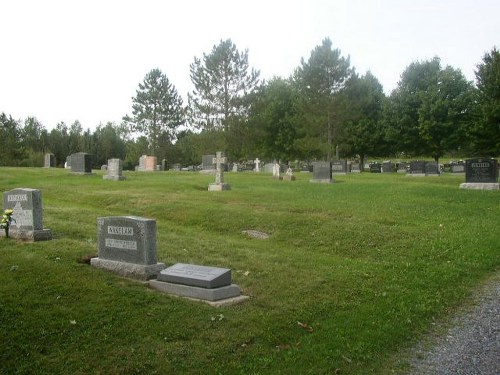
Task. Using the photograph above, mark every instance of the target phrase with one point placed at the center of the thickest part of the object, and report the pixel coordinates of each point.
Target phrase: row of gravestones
(127, 246)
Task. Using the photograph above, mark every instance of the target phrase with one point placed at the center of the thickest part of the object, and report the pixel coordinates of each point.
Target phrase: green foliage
(487, 130)
(157, 110)
(368, 265)
(11, 150)
(221, 79)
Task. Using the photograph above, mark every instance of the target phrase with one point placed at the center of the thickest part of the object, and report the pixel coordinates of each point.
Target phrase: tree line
(325, 108)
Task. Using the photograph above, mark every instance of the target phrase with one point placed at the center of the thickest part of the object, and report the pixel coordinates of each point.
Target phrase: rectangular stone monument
(481, 174)
(457, 168)
(387, 166)
(417, 168)
(339, 167)
(115, 170)
(207, 163)
(322, 172)
(27, 214)
(402, 167)
(81, 162)
(67, 164)
(49, 161)
(432, 168)
(375, 167)
(355, 168)
(127, 246)
(219, 184)
(210, 284)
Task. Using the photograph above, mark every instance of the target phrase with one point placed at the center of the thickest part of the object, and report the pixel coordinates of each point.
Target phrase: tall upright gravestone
(26, 205)
(127, 246)
(481, 174)
(219, 184)
(81, 162)
(49, 161)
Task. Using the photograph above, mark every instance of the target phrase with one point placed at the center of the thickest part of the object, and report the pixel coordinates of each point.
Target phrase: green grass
(369, 263)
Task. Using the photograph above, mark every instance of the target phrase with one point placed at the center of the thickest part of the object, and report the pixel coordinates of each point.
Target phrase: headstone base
(288, 178)
(31, 235)
(416, 174)
(205, 294)
(113, 178)
(132, 270)
(480, 185)
(219, 187)
(322, 181)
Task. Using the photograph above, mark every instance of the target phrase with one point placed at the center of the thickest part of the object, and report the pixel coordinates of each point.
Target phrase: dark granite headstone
(387, 167)
(417, 167)
(339, 167)
(431, 168)
(81, 162)
(375, 168)
(27, 214)
(322, 172)
(402, 167)
(481, 170)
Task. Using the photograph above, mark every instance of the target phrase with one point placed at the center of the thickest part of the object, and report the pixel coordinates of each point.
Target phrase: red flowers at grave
(6, 220)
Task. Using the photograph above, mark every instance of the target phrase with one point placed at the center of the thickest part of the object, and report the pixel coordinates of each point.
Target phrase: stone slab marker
(28, 215)
(210, 284)
(81, 162)
(481, 174)
(322, 172)
(127, 246)
(49, 161)
(115, 170)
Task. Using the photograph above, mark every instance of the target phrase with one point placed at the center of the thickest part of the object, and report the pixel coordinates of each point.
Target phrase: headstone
(355, 167)
(164, 164)
(147, 164)
(276, 171)
(269, 167)
(104, 167)
(49, 161)
(417, 168)
(235, 167)
(115, 170)
(207, 163)
(210, 284)
(322, 172)
(339, 167)
(432, 168)
(127, 246)
(457, 168)
(81, 162)
(67, 164)
(288, 176)
(402, 167)
(257, 165)
(387, 166)
(481, 174)
(219, 184)
(27, 214)
(375, 167)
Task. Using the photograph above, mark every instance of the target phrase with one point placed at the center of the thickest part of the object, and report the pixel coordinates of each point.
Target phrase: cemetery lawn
(352, 275)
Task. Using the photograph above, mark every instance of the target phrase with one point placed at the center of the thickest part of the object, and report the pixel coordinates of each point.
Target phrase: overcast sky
(65, 60)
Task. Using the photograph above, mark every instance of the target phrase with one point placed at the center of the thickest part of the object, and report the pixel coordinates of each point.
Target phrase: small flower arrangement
(6, 220)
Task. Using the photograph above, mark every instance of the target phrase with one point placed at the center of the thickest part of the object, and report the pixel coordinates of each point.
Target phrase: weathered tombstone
(115, 170)
(355, 168)
(147, 164)
(268, 167)
(402, 167)
(67, 164)
(127, 246)
(417, 168)
(235, 167)
(339, 167)
(288, 176)
(432, 168)
(207, 164)
(276, 171)
(104, 167)
(257, 165)
(219, 184)
(210, 284)
(322, 172)
(387, 166)
(81, 163)
(457, 168)
(164, 164)
(481, 174)
(27, 215)
(375, 167)
(49, 161)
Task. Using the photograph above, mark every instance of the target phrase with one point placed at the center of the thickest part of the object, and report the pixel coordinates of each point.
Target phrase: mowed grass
(366, 265)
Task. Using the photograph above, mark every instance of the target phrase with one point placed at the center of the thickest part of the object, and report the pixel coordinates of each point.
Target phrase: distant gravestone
(164, 164)
(104, 167)
(268, 167)
(115, 170)
(81, 162)
(67, 164)
(387, 167)
(289, 176)
(355, 168)
(432, 168)
(257, 165)
(339, 167)
(457, 168)
(219, 184)
(481, 174)
(127, 246)
(402, 167)
(211, 284)
(147, 164)
(375, 167)
(322, 172)
(49, 161)
(417, 168)
(277, 171)
(207, 163)
(26, 205)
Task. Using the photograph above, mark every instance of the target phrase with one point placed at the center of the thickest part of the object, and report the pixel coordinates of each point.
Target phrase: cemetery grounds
(352, 276)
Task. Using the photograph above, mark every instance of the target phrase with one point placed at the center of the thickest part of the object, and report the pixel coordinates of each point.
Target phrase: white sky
(67, 60)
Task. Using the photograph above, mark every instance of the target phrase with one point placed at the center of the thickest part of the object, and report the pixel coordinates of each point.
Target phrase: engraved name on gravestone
(127, 245)
(81, 162)
(481, 170)
(26, 205)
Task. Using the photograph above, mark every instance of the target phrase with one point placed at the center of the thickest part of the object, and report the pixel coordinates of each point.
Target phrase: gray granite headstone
(387, 166)
(375, 167)
(432, 168)
(339, 167)
(355, 168)
(49, 161)
(417, 168)
(322, 172)
(127, 246)
(67, 165)
(481, 174)
(81, 162)
(115, 170)
(219, 184)
(27, 214)
(457, 168)
(207, 162)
